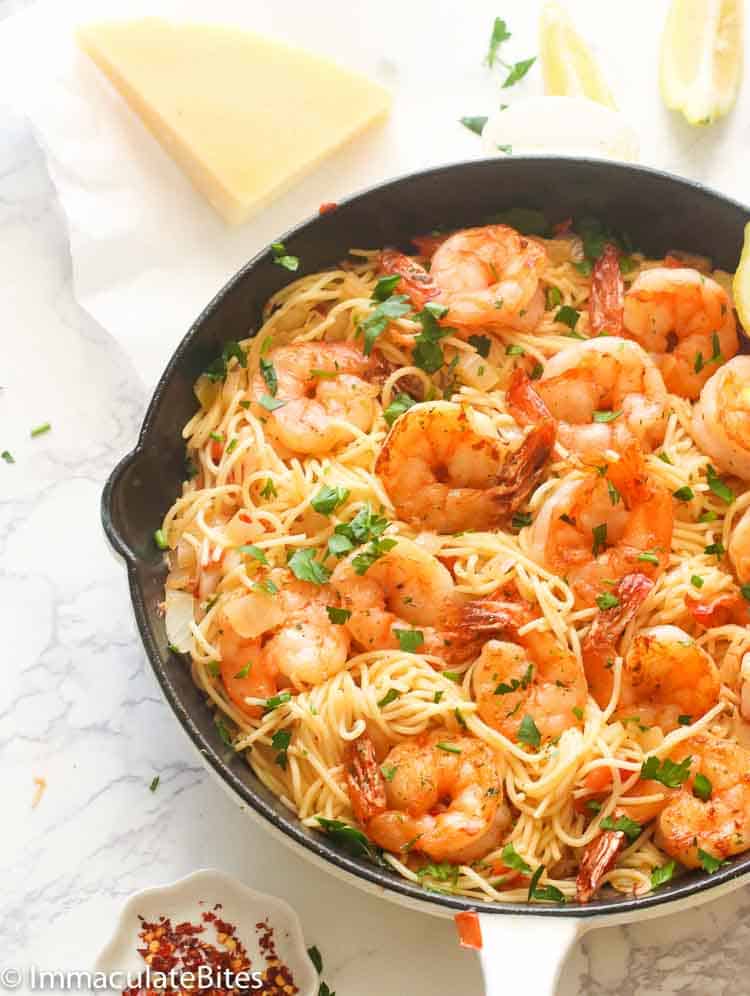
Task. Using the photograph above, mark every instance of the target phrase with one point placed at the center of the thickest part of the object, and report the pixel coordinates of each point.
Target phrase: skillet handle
(526, 953)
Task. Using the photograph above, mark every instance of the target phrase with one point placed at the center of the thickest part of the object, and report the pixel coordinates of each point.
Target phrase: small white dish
(189, 897)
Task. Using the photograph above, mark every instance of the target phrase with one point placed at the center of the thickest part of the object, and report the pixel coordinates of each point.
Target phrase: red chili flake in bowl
(222, 968)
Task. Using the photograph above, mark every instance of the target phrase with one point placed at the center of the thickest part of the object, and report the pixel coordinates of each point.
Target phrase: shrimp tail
(599, 646)
(598, 858)
(607, 300)
(415, 281)
(727, 607)
(491, 618)
(365, 780)
(525, 404)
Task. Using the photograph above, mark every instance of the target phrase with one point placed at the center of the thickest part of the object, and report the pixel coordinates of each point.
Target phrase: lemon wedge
(701, 58)
(741, 283)
(569, 68)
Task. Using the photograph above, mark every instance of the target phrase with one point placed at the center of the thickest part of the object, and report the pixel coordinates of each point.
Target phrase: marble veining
(80, 707)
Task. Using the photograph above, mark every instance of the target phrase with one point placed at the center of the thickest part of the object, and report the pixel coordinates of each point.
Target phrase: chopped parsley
(154, 783)
(385, 287)
(482, 344)
(409, 639)
(702, 787)
(697, 581)
(448, 748)
(304, 566)
(528, 732)
(684, 720)
(389, 771)
(719, 488)
(648, 557)
(547, 893)
(390, 696)
(277, 700)
(395, 306)
(328, 499)
(667, 772)
(513, 860)
(337, 616)
(428, 354)
(7, 456)
(499, 34)
(268, 372)
(624, 824)
(400, 404)
(363, 527)
(314, 955)
(217, 370)
(599, 536)
(280, 742)
(40, 430)
(271, 404)
(518, 70)
(607, 601)
(717, 549)
(515, 683)
(223, 730)
(374, 551)
(352, 840)
(568, 316)
(745, 591)
(160, 539)
(253, 551)
(536, 371)
(708, 862)
(244, 671)
(269, 489)
(474, 123)
(605, 416)
(684, 494)
(520, 520)
(553, 298)
(282, 258)
(662, 874)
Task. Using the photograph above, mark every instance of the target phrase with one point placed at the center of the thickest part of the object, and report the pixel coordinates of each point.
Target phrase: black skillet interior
(658, 211)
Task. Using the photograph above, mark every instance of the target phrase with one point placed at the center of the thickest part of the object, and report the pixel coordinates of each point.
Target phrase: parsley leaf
(253, 551)
(544, 892)
(599, 536)
(518, 70)
(396, 306)
(528, 732)
(513, 860)
(327, 499)
(427, 353)
(499, 34)
(337, 616)
(515, 683)
(709, 862)
(281, 257)
(662, 874)
(568, 316)
(630, 828)
(475, 124)
(400, 404)
(268, 371)
(607, 601)
(718, 486)
(350, 838)
(280, 742)
(482, 345)
(374, 551)
(605, 416)
(8, 457)
(314, 956)
(217, 370)
(271, 404)
(154, 783)
(385, 287)
(668, 772)
(277, 700)
(553, 298)
(702, 787)
(304, 566)
(409, 639)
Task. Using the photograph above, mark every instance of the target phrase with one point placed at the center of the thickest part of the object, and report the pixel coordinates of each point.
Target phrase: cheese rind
(244, 116)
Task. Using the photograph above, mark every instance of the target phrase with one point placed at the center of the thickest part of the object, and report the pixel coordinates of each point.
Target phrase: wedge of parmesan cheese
(244, 116)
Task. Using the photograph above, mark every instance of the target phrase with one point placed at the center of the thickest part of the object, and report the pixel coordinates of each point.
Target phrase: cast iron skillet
(659, 211)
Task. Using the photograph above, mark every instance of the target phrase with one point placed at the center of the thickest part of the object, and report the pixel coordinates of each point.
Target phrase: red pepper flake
(469, 930)
(217, 969)
(327, 207)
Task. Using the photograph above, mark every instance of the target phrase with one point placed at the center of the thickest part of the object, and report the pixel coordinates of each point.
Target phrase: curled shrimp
(445, 467)
(320, 393)
(685, 320)
(533, 676)
(665, 674)
(442, 798)
(605, 392)
(487, 277)
(690, 824)
(721, 418)
(612, 522)
(287, 639)
(739, 548)
(405, 588)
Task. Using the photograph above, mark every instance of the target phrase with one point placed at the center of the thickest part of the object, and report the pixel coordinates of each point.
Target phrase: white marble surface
(79, 706)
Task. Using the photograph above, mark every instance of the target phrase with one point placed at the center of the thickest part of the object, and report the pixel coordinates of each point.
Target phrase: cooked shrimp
(446, 468)
(685, 320)
(605, 392)
(321, 393)
(405, 588)
(534, 675)
(244, 672)
(442, 797)
(721, 418)
(714, 822)
(612, 522)
(727, 606)
(487, 277)
(739, 548)
(298, 644)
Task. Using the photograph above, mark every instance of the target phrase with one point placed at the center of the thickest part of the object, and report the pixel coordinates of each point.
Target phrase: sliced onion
(238, 531)
(253, 614)
(179, 613)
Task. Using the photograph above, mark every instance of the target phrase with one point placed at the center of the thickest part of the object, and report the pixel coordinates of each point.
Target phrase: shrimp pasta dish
(462, 559)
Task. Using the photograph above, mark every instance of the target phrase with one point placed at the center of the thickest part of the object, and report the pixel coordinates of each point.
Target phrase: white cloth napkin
(148, 253)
